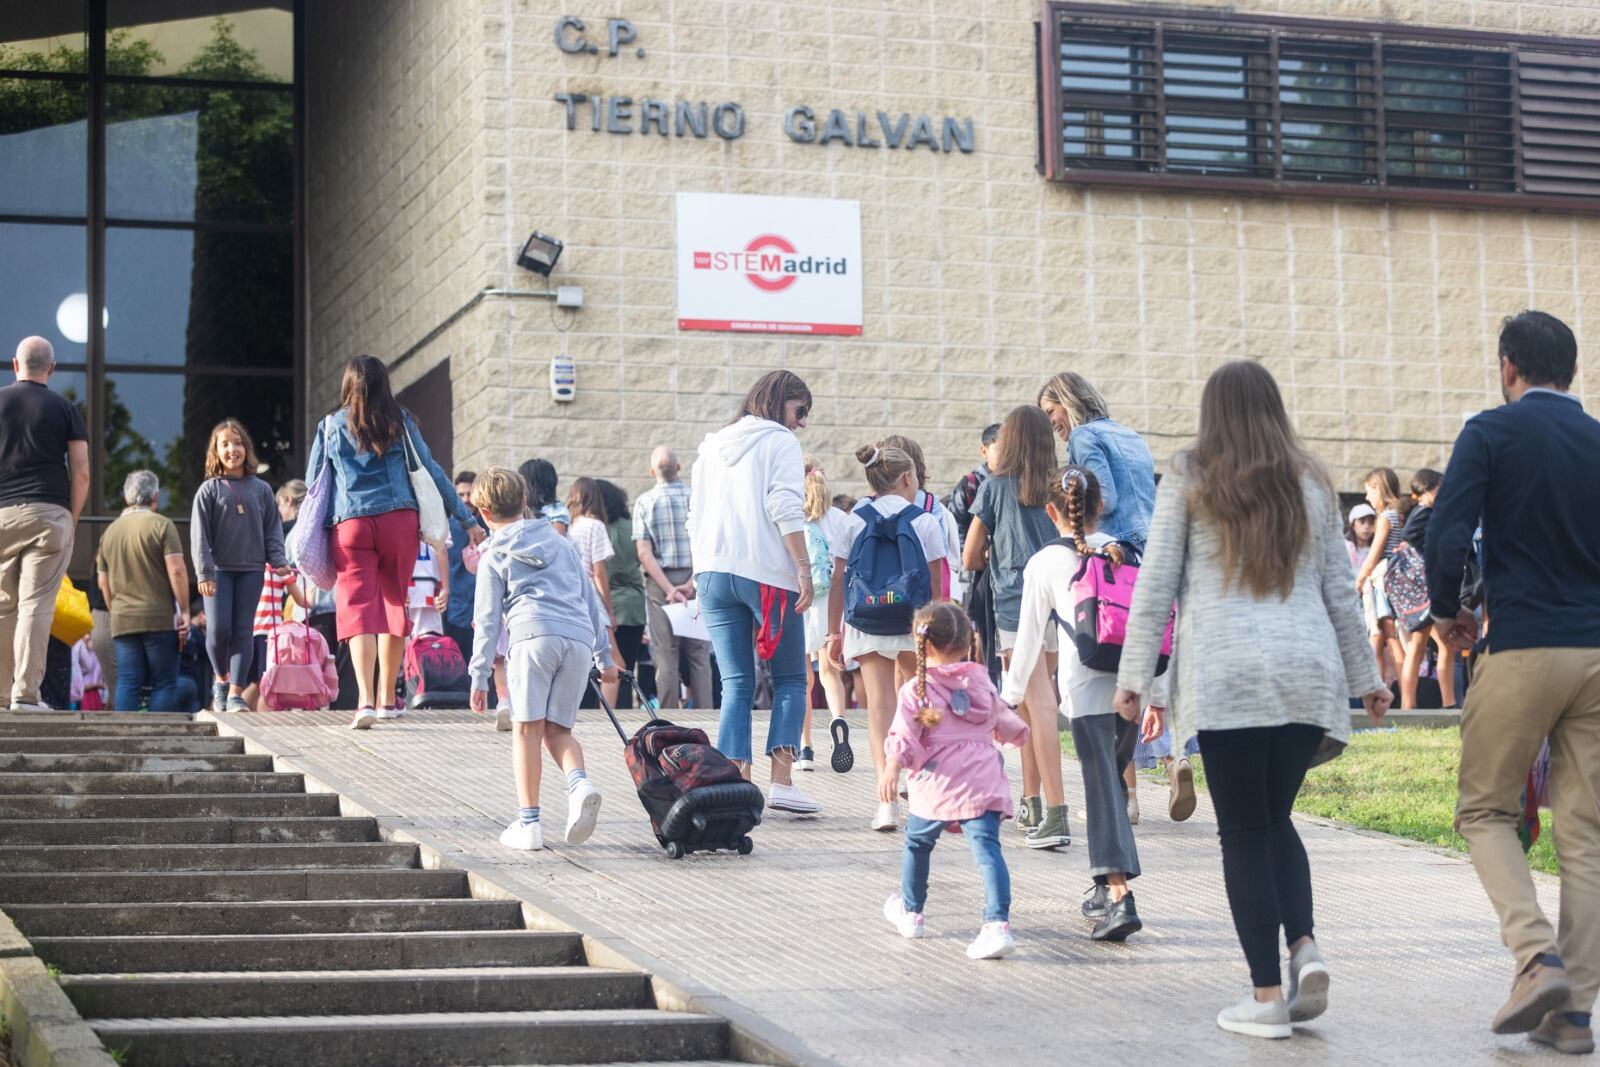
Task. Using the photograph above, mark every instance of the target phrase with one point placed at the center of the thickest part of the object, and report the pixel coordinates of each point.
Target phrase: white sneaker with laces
(907, 923)
(524, 837)
(994, 940)
(391, 713)
(788, 798)
(502, 720)
(887, 819)
(23, 706)
(583, 809)
(363, 720)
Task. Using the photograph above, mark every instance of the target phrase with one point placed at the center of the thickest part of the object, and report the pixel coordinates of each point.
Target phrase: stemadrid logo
(769, 263)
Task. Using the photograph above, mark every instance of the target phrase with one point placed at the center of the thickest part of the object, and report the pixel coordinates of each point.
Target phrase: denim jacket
(1122, 463)
(367, 484)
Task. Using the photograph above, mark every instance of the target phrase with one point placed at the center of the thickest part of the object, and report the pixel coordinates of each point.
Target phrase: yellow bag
(72, 620)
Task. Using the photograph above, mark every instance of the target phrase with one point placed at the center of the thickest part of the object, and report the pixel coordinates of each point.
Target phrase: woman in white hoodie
(752, 571)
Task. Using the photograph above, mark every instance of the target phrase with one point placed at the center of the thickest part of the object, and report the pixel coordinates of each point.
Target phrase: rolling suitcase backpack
(695, 796)
(300, 673)
(435, 673)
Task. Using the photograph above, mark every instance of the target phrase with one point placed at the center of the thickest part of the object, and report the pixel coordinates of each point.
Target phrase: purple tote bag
(311, 541)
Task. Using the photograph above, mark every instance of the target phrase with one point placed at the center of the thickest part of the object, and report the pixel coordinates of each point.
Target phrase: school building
(923, 208)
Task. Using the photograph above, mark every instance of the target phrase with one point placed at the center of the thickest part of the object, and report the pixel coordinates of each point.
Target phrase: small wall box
(563, 379)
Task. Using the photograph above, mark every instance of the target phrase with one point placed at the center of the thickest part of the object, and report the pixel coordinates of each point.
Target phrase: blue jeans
(983, 837)
(148, 659)
(731, 607)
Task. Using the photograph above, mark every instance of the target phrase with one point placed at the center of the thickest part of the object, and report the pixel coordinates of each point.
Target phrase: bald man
(661, 538)
(44, 481)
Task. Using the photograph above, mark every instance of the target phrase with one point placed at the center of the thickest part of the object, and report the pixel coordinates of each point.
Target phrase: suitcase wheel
(674, 850)
(746, 846)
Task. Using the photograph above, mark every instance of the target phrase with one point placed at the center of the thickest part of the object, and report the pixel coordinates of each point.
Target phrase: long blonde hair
(1247, 471)
(818, 499)
(1072, 391)
(947, 628)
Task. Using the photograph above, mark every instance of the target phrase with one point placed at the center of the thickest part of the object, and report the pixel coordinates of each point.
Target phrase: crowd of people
(1232, 610)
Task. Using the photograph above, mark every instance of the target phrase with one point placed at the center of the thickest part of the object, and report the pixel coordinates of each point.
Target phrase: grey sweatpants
(1105, 747)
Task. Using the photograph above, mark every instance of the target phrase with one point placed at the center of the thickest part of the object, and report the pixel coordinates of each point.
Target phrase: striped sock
(574, 777)
(530, 816)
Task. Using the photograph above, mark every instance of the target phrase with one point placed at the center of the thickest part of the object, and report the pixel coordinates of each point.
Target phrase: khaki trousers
(35, 547)
(664, 645)
(1517, 699)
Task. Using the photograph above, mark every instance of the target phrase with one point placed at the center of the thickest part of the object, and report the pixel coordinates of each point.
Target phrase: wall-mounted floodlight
(540, 254)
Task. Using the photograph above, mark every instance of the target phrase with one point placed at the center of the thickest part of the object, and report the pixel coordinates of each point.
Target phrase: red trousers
(374, 556)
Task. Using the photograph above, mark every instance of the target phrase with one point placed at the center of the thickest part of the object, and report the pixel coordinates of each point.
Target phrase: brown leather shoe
(1536, 991)
(1562, 1036)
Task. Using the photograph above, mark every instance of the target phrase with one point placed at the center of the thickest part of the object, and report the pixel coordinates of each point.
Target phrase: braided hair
(1076, 495)
(947, 628)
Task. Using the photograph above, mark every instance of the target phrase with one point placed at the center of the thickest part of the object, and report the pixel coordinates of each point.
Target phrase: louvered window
(1307, 106)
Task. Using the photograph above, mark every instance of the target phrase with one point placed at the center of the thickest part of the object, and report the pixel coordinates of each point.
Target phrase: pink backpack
(1102, 592)
(300, 673)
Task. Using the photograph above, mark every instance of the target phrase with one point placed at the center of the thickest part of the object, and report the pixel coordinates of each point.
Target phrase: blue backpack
(887, 573)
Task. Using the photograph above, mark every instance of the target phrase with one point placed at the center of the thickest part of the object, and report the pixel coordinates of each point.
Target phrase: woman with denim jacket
(374, 521)
(1118, 456)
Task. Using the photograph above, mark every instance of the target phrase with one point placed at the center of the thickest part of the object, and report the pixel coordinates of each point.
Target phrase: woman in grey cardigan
(1246, 538)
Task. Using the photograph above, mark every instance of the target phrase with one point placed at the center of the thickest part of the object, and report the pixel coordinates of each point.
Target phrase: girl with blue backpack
(887, 558)
(1061, 590)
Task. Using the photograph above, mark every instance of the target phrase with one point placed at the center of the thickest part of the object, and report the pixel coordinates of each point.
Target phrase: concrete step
(429, 1040)
(103, 718)
(102, 726)
(215, 831)
(134, 743)
(82, 858)
(445, 989)
(45, 760)
(164, 887)
(170, 806)
(272, 917)
(80, 783)
(327, 952)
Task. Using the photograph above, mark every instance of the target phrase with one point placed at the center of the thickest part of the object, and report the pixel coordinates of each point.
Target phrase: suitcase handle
(645, 703)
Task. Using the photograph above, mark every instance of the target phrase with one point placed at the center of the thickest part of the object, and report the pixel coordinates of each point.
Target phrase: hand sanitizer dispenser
(563, 379)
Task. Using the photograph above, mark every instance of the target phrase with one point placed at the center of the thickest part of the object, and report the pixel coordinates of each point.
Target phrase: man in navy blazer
(1529, 473)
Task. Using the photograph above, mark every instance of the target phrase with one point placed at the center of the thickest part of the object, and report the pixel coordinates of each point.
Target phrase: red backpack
(300, 673)
(435, 673)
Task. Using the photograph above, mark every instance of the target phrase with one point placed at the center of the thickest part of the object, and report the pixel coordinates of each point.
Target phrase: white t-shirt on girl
(930, 533)
(589, 536)
(1047, 587)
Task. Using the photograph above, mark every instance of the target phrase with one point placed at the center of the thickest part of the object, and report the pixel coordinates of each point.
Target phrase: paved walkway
(794, 931)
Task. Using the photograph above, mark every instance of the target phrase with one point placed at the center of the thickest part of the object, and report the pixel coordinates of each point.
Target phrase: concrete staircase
(206, 911)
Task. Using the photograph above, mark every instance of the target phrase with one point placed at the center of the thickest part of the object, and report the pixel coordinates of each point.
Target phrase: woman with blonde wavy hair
(1117, 456)
(1246, 538)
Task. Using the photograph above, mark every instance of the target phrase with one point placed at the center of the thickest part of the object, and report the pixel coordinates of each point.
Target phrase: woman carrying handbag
(376, 492)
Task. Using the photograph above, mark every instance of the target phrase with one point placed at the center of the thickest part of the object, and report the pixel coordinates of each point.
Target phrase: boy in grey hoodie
(531, 580)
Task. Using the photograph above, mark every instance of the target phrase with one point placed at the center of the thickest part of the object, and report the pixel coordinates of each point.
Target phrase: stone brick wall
(980, 278)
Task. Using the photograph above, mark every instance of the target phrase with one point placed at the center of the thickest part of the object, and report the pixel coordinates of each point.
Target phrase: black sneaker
(843, 758)
(807, 760)
(1099, 902)
(1121, 920)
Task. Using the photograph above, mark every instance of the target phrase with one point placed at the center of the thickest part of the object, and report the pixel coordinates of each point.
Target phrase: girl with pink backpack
(1083, 584)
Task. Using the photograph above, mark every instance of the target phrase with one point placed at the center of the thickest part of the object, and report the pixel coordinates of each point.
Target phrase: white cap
(1362, 511)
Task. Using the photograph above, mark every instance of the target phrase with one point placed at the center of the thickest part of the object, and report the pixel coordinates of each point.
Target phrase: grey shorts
(547, 677)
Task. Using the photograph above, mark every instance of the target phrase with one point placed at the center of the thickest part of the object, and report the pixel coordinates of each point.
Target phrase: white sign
(769, 264)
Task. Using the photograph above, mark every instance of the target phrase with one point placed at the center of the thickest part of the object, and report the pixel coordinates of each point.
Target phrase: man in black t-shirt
(44, 482)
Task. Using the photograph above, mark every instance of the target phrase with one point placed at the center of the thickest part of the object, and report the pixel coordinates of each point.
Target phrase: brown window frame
(1422, 150)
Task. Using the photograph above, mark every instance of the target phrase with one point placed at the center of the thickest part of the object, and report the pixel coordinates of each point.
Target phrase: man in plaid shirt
(661, 537)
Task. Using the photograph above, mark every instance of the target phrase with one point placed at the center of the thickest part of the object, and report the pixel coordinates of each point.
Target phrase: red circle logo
(761, 280)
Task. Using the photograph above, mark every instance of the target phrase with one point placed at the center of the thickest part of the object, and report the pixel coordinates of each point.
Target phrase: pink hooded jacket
(955, 770)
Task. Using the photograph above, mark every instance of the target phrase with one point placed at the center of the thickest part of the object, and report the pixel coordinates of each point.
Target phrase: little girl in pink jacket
(944, 734)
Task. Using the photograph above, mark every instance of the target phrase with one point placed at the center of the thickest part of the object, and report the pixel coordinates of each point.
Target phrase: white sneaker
(908, 924)
(583, 809)
(524, 837)
(992, 942)
(502, 720)
(1307, 995)
(391, 713)
(1133, 808)
(1255, 1019)
(788, 798)
(40, 706)
(888, 817)
(363, 720)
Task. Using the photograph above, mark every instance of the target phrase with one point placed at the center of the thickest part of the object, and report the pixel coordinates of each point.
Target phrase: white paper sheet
(686, 621)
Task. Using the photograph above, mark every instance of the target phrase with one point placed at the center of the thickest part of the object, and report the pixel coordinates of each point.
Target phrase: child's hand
(888, 785)
(608, 674)
(1154, 724)
(208, 589)
(480, 701)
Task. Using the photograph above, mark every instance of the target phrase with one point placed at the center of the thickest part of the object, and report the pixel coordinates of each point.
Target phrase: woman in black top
(1424, 487)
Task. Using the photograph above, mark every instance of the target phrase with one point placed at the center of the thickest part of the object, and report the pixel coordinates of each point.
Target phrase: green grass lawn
(1400, 782)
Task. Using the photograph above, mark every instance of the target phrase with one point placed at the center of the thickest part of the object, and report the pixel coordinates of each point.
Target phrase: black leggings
(230, 618)
(1254, 775)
